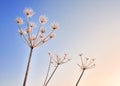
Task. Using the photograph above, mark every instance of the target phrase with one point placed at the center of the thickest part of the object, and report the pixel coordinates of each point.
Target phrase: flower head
(42, 30)
(19, 20)
(32, 25)
(42, 36)
(54, 26)
(43, 19)
(29, 12)
(52, 35)
(21, 32)
(28, 30)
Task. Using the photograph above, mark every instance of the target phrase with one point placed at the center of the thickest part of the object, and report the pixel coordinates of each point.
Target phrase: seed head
(32, 25)
(52, 35)
(42, 36)
(29, 12)
(19, 20)
(21, 32)
(42, 30)
(28, 30)
(54, 26)
(43, 19)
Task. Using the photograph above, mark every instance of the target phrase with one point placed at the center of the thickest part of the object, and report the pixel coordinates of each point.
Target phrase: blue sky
(90, 26)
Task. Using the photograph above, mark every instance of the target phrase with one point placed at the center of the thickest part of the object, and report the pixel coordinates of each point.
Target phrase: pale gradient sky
(91, 27)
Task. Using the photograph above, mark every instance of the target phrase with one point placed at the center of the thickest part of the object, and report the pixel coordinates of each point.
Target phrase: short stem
(51, 76)
(28, 66)
(47, 73)
(80, 77)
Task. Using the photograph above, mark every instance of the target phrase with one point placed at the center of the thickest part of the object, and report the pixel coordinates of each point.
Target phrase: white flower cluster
(27, 34)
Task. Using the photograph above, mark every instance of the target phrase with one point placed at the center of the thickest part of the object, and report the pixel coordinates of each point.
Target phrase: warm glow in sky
(91, 27)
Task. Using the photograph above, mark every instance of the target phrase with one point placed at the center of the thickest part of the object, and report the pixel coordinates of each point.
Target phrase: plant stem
(28, 66)
(47, 73)
(51, 75)
(80, 77)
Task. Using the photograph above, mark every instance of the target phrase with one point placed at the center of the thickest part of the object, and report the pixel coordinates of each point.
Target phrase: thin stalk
(82, 61)
(29, 34)
(80, 77)
(28, 66)
(44, 39)
(38, 33)
(51, 76)
(47, 73)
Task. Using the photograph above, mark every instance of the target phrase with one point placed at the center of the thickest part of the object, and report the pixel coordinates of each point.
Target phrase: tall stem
(47, 73)
(28, 66)
(80, 77)
(51, 76)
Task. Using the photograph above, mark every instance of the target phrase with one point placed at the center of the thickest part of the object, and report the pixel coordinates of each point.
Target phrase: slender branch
(24, 40)
(47, 73)
(44, 39)
(51, 76)
(82, 61)
(49, 34)
(23, 36)
(80, 77)
(28, 66)
(38, 33)
(29, 33)
(27, 21)
(89, 63)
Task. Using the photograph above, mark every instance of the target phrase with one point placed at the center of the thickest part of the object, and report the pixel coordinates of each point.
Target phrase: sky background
(91, 27)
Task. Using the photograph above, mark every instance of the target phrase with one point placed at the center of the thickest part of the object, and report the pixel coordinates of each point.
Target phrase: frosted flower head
(65, 55)
(49, 53)
(42, 30)
(42, 36)
(43, 19)
(29, 12)
(28, 30)
(19, 20)
(32, 25)
(52, 35)
(54, 26)
(21, 32)
(81, 54)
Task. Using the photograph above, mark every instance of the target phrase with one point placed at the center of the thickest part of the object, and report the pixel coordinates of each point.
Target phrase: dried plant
(31, 40)
(86, 63)
(56, 62)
